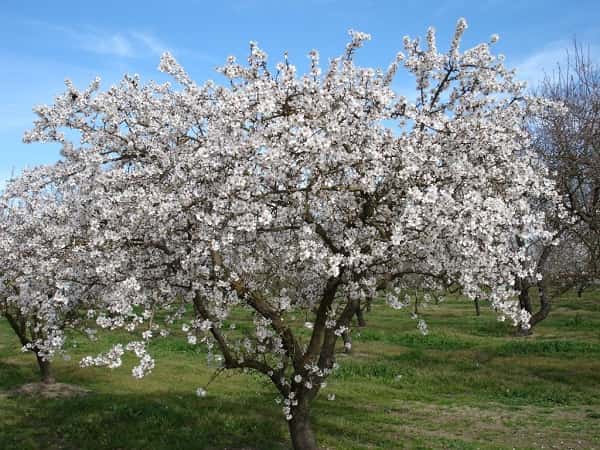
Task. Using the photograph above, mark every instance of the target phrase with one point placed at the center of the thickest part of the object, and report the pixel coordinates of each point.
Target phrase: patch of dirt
(533, 427)
(49, 390)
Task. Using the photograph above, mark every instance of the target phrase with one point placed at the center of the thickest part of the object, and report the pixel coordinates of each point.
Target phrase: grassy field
(469, 384)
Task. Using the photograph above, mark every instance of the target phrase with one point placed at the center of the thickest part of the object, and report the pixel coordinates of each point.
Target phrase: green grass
(469, 384)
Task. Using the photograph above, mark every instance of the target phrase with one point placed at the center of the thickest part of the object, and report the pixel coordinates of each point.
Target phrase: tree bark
(477, 309)
(347, 341)
(525, 303)
(18, 325)
(545, 306)
(360, 317)
(45, 372)
(303, 437)
(524, 299)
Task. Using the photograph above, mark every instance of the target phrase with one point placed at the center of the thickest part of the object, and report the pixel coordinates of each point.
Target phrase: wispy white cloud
(545, 61)
(123, 44)
(536, 66)
(150, 41)
(128, 44)
(107, 44)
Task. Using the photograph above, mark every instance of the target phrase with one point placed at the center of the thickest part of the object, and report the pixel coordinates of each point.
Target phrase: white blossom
(200, 392)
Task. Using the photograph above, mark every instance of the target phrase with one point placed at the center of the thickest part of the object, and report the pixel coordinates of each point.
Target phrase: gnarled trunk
(525, 303)
(545, 306)
(300, 428)
(17, 323)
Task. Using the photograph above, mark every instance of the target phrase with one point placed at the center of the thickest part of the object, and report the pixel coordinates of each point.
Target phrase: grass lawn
(469, 384)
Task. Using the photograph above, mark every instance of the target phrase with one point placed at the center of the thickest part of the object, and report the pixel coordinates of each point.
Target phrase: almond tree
(278, 194)
(40, 237)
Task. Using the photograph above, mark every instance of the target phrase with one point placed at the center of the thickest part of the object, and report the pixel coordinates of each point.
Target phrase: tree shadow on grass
(166, 418)
(12, 375)
(163, 421)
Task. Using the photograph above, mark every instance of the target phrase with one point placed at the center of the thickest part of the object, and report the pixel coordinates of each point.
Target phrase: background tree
(568, 142)
(40, 236)
(281, 194)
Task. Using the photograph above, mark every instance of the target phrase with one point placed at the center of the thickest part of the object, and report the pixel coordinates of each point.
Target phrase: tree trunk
(18, 325)
(524, 303)
(477, 309)
(301, 431)
(45, 372)
(360, 317)
(347, 341)
(524, 300)
(545, 306)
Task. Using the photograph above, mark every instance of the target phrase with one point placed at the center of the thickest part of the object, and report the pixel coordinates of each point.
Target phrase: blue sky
(44, 42)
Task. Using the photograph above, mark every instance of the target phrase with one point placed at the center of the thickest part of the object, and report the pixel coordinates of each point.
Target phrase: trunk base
(301, 431)
(521, 332)
(45, 373)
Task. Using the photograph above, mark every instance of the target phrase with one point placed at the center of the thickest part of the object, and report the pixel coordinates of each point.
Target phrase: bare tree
(568, 143)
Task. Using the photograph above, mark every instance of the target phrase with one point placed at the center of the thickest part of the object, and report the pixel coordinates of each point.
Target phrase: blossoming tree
(41, 237)
(280, 194)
